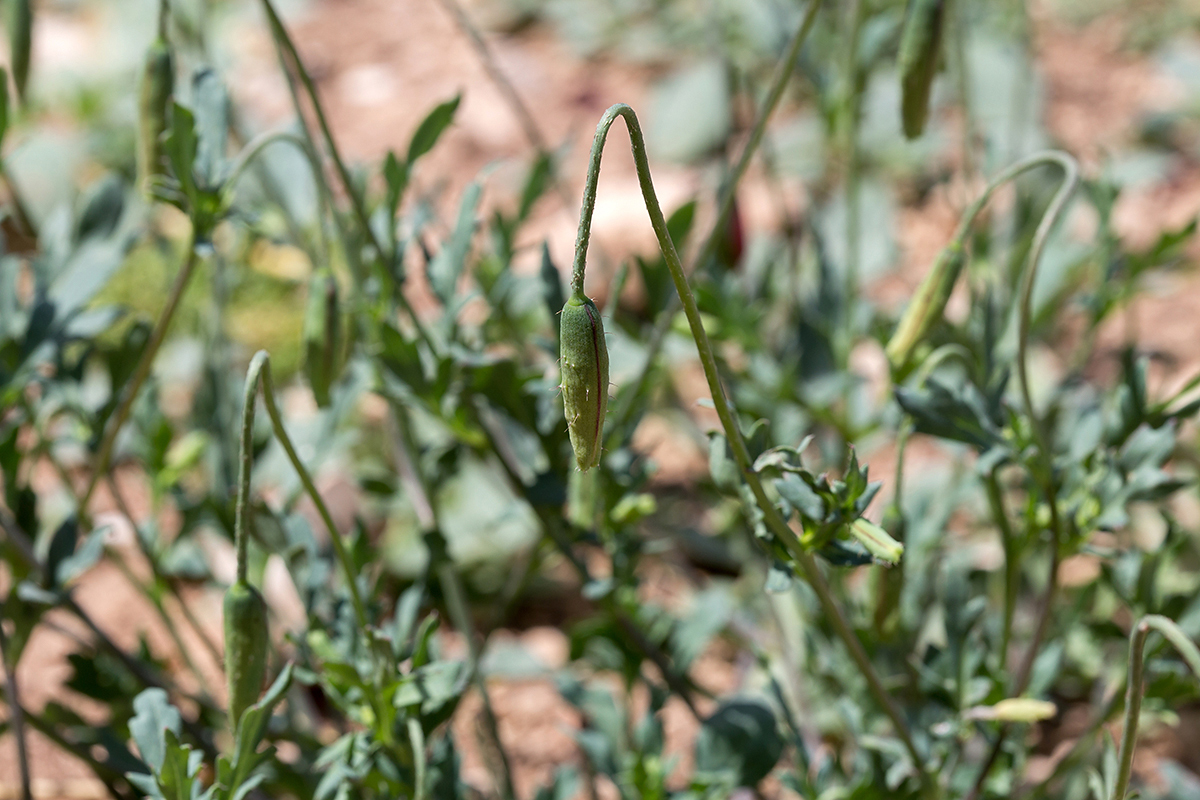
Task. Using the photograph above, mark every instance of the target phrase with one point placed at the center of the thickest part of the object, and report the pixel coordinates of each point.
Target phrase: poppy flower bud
(920, 47)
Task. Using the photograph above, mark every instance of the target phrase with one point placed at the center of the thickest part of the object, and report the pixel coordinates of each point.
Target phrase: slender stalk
(452, 588)
(456, 605)
(241, 515)
(260, 369)
(1025, 670)
(725, 413)
(254, 148)
(850, 110)
(779, 81)
(521, 111)
(289, 48)
(141, 372)
(1134, 689)
(1012, 567)
(290, 59)
(16, 714)
(1043, 474)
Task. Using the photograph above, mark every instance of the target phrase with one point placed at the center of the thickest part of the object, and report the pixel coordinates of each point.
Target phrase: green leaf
(181, 145)
(181, 764)
(396, 176)
(153, 718)
(62, 545)
(447, 266)
(690, 112)
(552, 286)
(434, 689)
(741, 740)
(801, 497)
(211, 104)
(84, 557)
(539, 178)
(431, 129)
(250, 730)
(3, 103)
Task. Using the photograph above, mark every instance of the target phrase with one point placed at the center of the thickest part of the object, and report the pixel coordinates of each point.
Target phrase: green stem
(241, 516)
(356, 202)
(254, 148)
(460, 616)
(289, 57)
(850, 121)
(779, 81)
(1043, 474)
(1134, 688)
(1012, 567)
(725, 413)
(141, 372)
(16, 712)
(260, 367)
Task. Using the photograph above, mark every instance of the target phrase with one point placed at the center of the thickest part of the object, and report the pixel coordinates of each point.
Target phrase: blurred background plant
(384, 196)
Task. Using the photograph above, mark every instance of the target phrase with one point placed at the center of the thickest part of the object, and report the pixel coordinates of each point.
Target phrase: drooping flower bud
(926, 308)
(583, 364)
(920, 47)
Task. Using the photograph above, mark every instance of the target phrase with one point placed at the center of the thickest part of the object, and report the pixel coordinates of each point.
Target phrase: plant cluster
(885, 658)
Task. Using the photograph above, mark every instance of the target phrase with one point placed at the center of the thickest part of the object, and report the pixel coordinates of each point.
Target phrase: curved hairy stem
(725, 412)
(130, 392)
(1134, 688)
(260, 369)
(1044, 474)
(783, 72)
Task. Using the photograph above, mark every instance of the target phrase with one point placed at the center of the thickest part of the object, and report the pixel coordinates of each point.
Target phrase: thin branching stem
(130, 392)
(260, 370)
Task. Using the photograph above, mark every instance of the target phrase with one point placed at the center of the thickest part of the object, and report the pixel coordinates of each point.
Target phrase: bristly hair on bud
(583, 363)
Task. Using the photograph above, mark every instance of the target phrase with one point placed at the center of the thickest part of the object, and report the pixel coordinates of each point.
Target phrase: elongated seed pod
(158, 83)
(20, 41)
(920, 47)
(926, 307)
(583, 361)
(322, 336)
(246, 642)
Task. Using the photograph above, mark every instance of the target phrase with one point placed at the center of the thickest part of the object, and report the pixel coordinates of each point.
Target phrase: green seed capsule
(920, 47)
(158, 81)
(246, 642)
(322, 335)
(20, 41)
(584, 365)
(926, 308)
